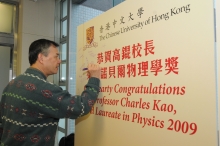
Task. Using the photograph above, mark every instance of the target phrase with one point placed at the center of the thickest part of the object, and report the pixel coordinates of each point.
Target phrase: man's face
(51, 61)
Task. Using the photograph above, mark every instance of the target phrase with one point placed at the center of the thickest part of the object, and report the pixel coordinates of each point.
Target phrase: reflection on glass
(64, 28)
(63, 52)
(6, 17)
(62, 123)
(64, 14)
(60, 135)
(63, 87)
(63, 72)
(116, 2)
(80, 15)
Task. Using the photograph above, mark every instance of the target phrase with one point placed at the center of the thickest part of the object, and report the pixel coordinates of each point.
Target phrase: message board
(158, 81)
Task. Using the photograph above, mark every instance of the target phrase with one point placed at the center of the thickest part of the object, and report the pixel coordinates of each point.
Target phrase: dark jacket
(31, 107)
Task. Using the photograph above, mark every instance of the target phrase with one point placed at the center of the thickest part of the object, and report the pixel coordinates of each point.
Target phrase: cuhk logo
(90, 35)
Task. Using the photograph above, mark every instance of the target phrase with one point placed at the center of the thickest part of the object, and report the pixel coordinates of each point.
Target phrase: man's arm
(64, 105)
(81, 105)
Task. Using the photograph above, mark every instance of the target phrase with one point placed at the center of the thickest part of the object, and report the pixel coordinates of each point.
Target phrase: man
(31, 107)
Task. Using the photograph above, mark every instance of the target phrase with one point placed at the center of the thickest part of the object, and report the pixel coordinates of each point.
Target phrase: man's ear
(40, 57)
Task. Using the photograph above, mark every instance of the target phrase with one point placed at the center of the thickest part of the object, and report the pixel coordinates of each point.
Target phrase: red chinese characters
(146, 67)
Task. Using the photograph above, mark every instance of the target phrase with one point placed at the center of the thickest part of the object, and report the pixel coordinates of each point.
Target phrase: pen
(85, 69)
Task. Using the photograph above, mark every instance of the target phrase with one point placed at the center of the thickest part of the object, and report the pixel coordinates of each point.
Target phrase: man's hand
(94, 70)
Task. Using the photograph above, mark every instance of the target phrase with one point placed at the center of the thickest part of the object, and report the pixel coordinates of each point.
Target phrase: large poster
(158, 81)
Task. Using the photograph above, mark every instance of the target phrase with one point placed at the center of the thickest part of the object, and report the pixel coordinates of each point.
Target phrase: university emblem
(90, 35)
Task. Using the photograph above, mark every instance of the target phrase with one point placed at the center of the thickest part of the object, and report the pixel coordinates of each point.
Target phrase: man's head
(44, 55)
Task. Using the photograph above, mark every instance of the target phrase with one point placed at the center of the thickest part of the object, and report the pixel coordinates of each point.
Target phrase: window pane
(64, 13)
(63, 72)
(80, 14)
(63, 52)
(71, 126)
(63, 87)
(62, 123)
(60, 135)
(64, 28)
(6, 17)
(116, 2)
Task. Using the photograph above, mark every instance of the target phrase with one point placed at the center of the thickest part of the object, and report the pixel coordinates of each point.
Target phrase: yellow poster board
(217, 15)
(158, 81)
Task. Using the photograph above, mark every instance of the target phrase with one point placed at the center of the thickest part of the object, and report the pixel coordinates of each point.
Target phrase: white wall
(36, 21)
(6, 15)
(5, 66)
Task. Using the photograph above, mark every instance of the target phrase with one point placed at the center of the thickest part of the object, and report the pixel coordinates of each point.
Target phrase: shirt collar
(36, 72)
